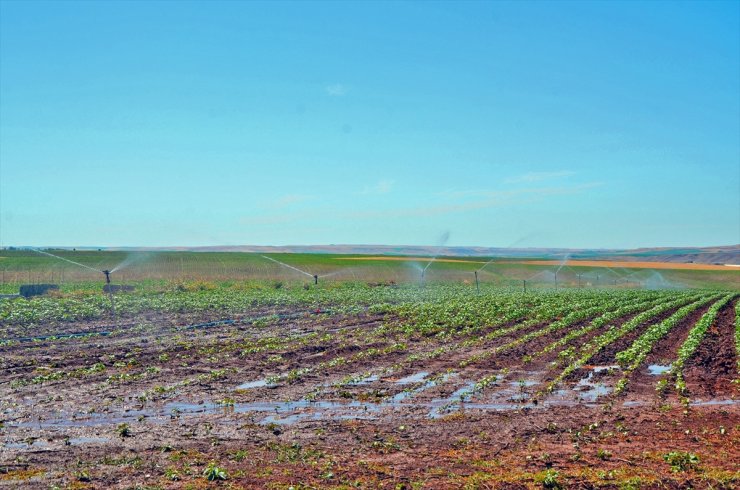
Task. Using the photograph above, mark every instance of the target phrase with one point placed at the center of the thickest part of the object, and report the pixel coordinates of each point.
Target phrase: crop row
(575, 316)
(696, 335)
(614, 313)
(637, 305)
(549, 308)
(633, 356)
(592, 348)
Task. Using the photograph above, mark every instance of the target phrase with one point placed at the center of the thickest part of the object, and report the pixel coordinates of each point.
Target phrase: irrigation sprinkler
(524, 283)
(316, 279)
(477, 286)
(110, 293)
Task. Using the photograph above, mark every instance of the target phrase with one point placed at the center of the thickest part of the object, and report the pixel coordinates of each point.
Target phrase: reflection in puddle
(658, 369)
(412, 378)
(364, 381)
(46, 444)
(79, 441)
(399, 397)
(252, 384)
(513, 394)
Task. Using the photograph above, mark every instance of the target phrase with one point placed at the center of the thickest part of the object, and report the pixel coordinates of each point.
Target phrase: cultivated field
(283, 383)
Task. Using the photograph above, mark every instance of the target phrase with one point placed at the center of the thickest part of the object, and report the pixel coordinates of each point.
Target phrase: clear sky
(584, 124)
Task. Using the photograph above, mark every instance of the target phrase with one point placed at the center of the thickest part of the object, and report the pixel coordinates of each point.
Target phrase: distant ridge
(729, 254)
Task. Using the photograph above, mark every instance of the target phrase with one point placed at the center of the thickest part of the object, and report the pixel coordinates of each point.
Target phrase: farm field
(271, 384)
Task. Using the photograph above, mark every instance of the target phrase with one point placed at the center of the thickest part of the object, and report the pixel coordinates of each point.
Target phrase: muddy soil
(645, 378)
(294, 402)
(713, 367)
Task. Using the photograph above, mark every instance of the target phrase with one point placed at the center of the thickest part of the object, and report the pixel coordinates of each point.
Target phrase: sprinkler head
(107, 276)
(315, 278)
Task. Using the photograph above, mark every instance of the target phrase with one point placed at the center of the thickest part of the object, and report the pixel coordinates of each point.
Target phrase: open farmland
(353, 384)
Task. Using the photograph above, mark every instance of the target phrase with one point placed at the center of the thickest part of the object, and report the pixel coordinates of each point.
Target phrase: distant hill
(701, 255)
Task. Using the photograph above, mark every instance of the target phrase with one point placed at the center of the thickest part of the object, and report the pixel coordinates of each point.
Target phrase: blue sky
(584, 124)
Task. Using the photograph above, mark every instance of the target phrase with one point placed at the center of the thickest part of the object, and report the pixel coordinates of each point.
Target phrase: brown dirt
(664, 350)
(713, 367)
(65, 431)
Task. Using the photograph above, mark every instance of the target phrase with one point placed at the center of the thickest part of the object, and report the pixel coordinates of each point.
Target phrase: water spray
(442, 241)
(314, 276)
(62, 258)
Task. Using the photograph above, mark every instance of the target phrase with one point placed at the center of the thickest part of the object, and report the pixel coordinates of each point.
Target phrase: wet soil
(713, 367)
(168, 402)
(643, 382)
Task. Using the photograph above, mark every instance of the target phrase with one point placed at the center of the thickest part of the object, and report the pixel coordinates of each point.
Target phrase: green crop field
(246, 367)
(29, 267)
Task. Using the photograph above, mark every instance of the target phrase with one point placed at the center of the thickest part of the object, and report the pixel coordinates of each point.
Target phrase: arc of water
(565, 259)
(443, 240)
(288, 266)
(62, 258)
(538, 273)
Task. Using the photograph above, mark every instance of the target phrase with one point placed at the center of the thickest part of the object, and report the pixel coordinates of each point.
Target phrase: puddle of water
(601, 369)
(399, 397)
(36, 443)
(589, 390)
(443, 406)
(704, 403)
(79, 441)
(633, 403)
(658, 369)
(412, 378)
(526, 383)
(364, 381)
(252, 384)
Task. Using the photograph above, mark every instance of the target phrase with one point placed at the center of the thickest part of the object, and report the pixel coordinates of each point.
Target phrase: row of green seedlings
(464, 314)
(692, 342)
(545, 312)
(637, 306)
(276, 344)
(296, 374)
(58, 375)
(578, 315)
(225, 299)
(596, 345)
(478, 387)
(609, 316)
(50, 375)
(549, 313)
(487, 381)
(58, 339)
(246, 348)
(632, 357)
